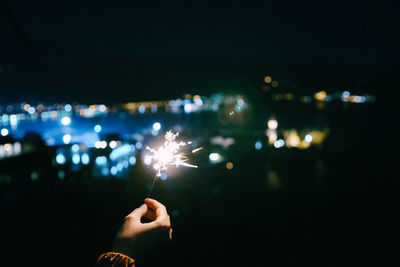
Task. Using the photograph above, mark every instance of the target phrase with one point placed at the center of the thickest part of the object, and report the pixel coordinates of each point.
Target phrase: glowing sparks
(197, 149)
(169, 154)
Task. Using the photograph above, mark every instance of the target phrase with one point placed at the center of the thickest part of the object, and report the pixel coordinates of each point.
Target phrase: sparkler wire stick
(152, 185)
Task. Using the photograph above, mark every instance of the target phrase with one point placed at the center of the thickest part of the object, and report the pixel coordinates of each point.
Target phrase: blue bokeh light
(97, 128)
(132, 160)
(163, 176)
(60, 159)
(85, 159)
(67, 107)
(258, 145)
(76, 159)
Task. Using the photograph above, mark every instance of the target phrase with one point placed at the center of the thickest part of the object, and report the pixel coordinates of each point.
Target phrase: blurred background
(294, 104)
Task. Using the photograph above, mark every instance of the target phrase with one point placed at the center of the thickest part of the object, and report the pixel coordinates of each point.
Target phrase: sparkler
(169, 154)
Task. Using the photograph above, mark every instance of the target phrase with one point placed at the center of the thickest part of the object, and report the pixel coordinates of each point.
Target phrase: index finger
(157, 207)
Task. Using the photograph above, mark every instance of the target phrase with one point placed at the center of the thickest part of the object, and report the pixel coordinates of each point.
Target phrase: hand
(136, 239)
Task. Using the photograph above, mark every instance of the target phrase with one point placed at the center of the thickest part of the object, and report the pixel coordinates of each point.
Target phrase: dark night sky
(152, 50)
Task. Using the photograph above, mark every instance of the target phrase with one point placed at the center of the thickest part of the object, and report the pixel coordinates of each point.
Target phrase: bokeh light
(67, 139)
(156, 126)
(229, 165)
(66, 121)
(275, 84)
(76, 159)
(272, 124)
(214, 157)
(4, 132)
(85, 159)
(279, 143)
(97, 128)
(308, 138)
(258, 145)
(267, 79)
(60, 159)
(67, 107)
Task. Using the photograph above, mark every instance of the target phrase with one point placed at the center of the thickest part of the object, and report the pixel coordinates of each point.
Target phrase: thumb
(138, 212)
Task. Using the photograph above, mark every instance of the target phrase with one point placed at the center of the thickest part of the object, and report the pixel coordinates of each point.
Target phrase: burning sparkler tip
(167, 153)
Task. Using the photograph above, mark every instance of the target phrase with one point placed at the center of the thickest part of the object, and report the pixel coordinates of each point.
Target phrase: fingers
(150, 215)
(158, 208)
(161, 216)
(138, 212)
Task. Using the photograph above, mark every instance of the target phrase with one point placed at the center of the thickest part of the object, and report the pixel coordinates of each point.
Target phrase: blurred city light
(154, 132)
(275, 84)
(76, 159)
(100, 144)
(5, 118)
(132, 160)
(97, 144)
(139, 145)
(67, 139)
(17, 148)
(134, 134)
(358, 99)
(189, 107)
(85, 159)
(258, 145)
(8, 150)
(163, 176)
(67, 107)
(101, 160)
(26, 107)
(272, 124)
(13, 120)
(142, 109)
(272, 136)
(197, 100)
(65, 121)
(279, 143)
(224, 142)
(215, 157)
(229, 165)
(120, 166)
(60, 159)
(293, 139)
(120, 151)
(75, 148)
(267, 79)
(320, 96)
(125, 163)
(113, 170)
(113, 144)
(308, 138)
(156, 126)
(97, 128)
(4, 132)
(102, 108)
(31, 110)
